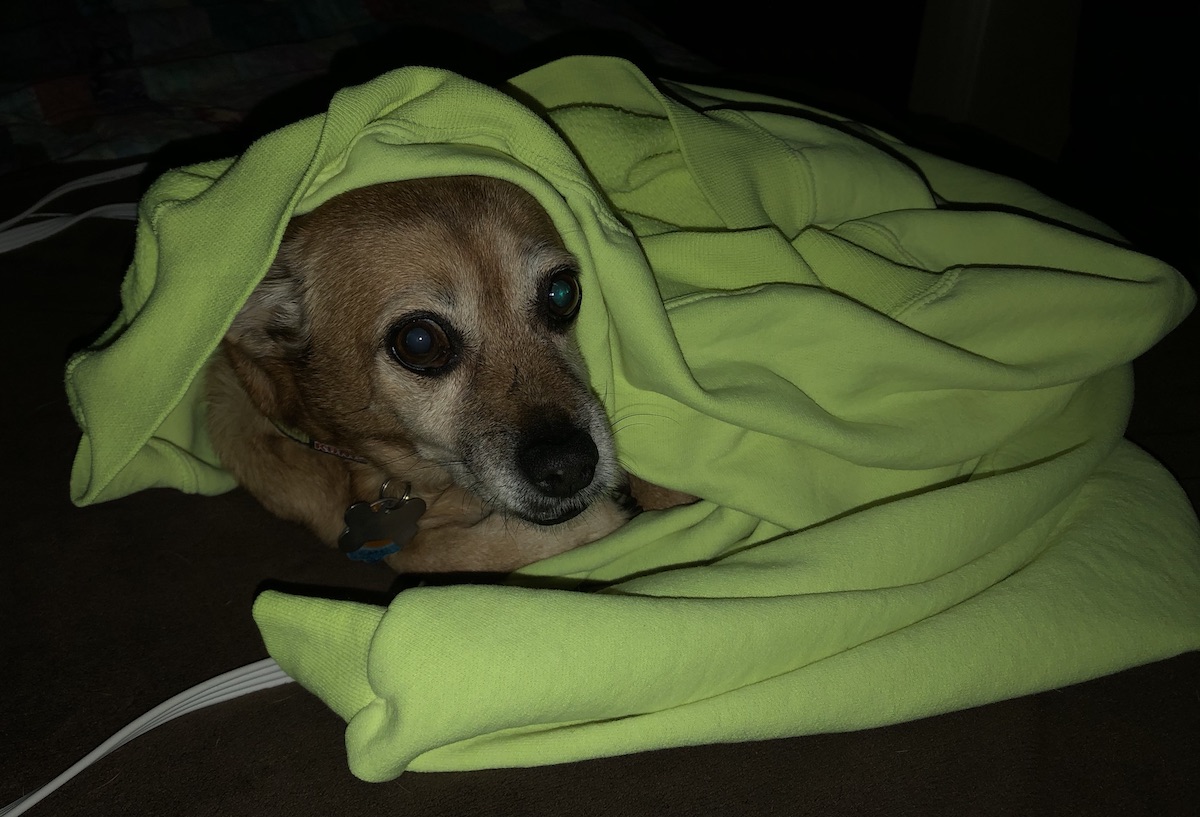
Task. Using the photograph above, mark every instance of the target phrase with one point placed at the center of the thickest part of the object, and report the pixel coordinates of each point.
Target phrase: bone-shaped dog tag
(377, 529)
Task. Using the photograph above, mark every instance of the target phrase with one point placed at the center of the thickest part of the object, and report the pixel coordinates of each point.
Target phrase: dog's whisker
(637, 410)
(625, 421)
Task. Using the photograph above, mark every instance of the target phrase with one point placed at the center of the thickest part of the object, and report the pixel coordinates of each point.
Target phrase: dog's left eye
(422, 345)
(563, 295)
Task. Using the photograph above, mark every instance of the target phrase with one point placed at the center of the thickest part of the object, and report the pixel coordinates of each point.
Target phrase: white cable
(16, 237)
(104, 177)
(14, 234)
(254, 677)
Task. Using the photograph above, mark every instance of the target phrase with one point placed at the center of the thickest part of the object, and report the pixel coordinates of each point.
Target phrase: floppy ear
(268, 340)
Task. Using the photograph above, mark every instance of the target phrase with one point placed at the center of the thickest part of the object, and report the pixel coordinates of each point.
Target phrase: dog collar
(376, 529)
(299, 436)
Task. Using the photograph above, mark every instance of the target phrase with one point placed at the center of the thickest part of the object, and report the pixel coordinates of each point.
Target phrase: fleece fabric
(899, 385)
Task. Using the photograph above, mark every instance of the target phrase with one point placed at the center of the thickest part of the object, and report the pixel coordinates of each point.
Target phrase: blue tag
(373, 554)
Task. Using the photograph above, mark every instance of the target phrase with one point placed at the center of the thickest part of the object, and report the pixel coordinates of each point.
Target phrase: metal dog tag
(380, 528)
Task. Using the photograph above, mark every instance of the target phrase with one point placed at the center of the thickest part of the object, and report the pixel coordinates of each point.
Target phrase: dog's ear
(268, 340)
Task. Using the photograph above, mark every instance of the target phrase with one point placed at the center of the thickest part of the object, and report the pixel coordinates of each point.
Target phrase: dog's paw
(623, 496)
(650, 497)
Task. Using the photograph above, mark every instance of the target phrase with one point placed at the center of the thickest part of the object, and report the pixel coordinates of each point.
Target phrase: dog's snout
(558, 458)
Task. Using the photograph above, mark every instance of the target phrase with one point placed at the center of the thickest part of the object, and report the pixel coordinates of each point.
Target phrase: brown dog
(414, 336)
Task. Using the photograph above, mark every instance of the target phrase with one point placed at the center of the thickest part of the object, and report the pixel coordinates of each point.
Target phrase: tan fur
(311, 350)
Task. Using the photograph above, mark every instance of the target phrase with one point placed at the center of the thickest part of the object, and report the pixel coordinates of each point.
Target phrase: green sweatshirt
(899, 385)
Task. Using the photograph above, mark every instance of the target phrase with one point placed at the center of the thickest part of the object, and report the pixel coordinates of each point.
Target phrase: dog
(404, 382)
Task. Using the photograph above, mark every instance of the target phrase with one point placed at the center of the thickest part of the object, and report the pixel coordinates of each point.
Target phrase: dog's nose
(559, 458)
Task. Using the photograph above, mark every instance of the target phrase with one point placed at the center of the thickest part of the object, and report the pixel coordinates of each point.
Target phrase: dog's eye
(563, 295)
(422, 345)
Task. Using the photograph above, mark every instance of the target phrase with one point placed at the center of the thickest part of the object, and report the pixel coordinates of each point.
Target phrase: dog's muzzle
(559, 460)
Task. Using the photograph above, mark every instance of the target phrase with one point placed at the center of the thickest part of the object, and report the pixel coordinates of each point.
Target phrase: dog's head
(426, 324)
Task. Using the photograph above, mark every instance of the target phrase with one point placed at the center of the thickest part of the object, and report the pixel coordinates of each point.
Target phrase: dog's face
(426, 325)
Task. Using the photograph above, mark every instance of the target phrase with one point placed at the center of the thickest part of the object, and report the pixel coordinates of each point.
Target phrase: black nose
(559, 458)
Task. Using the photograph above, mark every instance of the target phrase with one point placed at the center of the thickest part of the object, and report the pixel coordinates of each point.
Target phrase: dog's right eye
(422, 345)
(562, 296)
